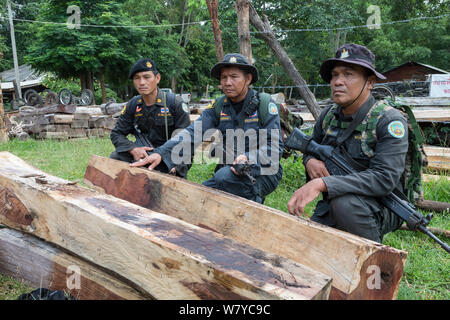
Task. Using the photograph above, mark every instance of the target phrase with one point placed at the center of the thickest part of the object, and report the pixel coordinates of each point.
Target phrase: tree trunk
(3, 130)
(102, 85)
(212, 8)
(87, 81)
(242, 9)
(286, 62)
(173, 84)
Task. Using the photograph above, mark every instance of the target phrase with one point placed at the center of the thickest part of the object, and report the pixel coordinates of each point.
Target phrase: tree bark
(268, 35)
(212, 8)
(3, 129)
(242, 9)
(87, 81)
(102, 85)
(435, 206)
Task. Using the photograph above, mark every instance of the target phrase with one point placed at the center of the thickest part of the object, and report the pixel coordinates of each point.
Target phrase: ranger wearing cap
(371, 135)
(152, 117)
(240, 110)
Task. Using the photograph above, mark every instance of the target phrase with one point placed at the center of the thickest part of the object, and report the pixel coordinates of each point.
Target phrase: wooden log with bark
(161, 256)
(42, 265)
(346, 258)
(263, 26)
(213, 13)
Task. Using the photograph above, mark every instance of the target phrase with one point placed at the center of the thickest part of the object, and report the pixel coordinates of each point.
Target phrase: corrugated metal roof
(417, 63)
(26, 72)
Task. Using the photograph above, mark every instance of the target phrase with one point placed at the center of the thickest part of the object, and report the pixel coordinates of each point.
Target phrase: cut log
(89, 110)
(434, 205)
(434, 115)
(438, 158)
(435, 231)
(56, 108)
(347, 258)
(43, 265)
(63, 118)
(164, 257)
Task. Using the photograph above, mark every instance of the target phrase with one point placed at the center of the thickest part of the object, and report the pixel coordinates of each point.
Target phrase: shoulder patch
(273, 108)
(396, 129)
(185, 107)
(211, 105)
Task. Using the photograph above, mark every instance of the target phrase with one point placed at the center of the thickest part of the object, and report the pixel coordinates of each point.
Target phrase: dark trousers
(356, 214)
(224, 179)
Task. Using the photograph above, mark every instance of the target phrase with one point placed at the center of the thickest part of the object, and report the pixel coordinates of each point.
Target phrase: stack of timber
(351, 261)
(149, 254)
(438, 158)
(64, 122)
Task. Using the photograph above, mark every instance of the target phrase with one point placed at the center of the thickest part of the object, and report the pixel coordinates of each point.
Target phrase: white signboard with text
(440, 85)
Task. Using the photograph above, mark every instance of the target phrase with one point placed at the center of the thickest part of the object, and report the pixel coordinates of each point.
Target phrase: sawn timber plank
(160, 255)
(348, 259)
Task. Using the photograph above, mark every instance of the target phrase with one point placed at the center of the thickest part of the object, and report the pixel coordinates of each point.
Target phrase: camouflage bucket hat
(235, 60)
(353, 54)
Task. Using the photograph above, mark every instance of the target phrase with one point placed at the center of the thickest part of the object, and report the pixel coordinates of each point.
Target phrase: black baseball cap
(353, 54)
(235, 60)
(143, 64)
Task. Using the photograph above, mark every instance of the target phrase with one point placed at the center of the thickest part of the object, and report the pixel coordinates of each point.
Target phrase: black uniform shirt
(150, 120)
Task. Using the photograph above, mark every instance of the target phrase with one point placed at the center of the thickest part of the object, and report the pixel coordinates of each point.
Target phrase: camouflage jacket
(379, 143)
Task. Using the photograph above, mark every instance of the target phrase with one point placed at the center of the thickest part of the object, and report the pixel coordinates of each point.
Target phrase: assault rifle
(142, 139)
(244, 169)
(337, 165)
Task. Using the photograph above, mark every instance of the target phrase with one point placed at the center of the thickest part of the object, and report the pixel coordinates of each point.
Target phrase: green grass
(427, 269)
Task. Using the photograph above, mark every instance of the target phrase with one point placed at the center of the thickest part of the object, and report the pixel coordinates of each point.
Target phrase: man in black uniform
(240, 116)
(371, 135)
(152, 115)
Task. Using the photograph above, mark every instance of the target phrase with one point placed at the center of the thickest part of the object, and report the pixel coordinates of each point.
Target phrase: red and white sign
(440, 85)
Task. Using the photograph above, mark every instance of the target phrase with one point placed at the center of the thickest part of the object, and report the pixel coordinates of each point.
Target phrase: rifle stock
(337, 165)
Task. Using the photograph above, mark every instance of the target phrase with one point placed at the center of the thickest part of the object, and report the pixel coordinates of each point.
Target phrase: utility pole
(13, 43)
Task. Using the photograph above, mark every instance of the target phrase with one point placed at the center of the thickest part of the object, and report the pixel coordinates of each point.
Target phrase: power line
(114, 26)
(349, 27)
(203, 22)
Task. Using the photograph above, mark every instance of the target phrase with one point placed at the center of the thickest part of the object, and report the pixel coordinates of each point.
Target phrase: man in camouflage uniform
(374, 139)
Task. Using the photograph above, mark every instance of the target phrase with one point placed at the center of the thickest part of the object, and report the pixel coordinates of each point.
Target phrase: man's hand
(140, 152)
(305, 195)
(154, 159)
(239, 159)
(316, 169)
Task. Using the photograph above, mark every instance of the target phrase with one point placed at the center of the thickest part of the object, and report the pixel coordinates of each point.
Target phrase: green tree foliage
(185, 52)
(72, 52)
